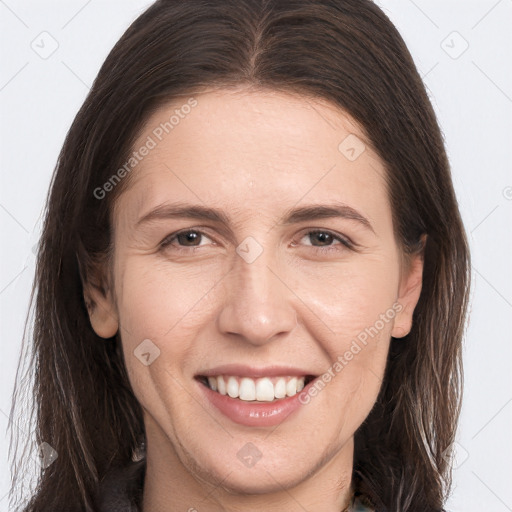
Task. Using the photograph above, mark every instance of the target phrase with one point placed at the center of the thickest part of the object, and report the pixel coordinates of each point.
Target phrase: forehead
(254, 150)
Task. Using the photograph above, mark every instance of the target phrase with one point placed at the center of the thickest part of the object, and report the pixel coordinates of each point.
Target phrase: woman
(253, 275)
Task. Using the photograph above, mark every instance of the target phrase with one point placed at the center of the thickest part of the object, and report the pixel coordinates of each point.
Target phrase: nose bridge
(257, 306)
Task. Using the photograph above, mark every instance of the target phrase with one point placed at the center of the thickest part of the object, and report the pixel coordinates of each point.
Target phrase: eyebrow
(291, 216)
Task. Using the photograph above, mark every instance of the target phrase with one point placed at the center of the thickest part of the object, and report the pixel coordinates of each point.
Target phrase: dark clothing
(121, 489)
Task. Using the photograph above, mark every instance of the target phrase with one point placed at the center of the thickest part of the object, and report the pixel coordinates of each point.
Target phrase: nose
(258, 305)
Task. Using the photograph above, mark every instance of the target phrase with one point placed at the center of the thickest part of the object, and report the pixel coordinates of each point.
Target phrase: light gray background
(471, 90)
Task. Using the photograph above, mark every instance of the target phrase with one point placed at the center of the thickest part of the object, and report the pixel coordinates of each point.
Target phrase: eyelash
(347, 244)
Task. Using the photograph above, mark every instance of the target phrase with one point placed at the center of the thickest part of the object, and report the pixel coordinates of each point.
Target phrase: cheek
(158, 310)
(355, 304)
(350, 297)
(350, 385)
(160, 298)
(160, 307)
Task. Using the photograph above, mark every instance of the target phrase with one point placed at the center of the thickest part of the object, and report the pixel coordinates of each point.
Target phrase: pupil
(189, 236)
(325, 237)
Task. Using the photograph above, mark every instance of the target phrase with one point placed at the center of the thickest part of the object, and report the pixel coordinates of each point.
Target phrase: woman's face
(294, 272)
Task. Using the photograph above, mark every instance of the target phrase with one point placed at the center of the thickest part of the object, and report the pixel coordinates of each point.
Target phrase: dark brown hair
(345, 51)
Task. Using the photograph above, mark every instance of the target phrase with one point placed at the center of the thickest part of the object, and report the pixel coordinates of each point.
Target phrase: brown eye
(322, 236)
(326, 240)
(190, 238)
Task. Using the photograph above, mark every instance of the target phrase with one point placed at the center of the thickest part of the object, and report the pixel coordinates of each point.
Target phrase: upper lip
(254, 372)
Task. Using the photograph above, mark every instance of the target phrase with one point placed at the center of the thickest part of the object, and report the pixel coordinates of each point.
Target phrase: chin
(262, 478)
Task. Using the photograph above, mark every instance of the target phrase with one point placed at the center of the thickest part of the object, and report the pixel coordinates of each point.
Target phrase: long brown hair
(345, 51)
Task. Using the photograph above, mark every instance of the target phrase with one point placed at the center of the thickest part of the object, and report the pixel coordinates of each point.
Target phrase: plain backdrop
(51, 52)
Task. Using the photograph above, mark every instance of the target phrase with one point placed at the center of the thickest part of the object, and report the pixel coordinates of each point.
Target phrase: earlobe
(409, 292)
(102, 312)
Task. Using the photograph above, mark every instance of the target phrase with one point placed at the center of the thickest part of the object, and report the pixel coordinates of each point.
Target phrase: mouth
(264, 389)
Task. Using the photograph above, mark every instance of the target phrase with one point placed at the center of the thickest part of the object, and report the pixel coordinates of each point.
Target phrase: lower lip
(254, 414)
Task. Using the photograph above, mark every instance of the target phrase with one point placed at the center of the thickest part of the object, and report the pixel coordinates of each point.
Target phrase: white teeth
(221, 385)
(280, 388)
(264, 390)
(247, 390)
(213, 383)
(291, 386)
(261, 390)
(232, 387)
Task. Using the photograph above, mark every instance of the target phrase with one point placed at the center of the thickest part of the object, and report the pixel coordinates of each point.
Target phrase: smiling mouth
(264, 389)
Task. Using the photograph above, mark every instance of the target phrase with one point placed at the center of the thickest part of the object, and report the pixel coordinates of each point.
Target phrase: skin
(254, 154)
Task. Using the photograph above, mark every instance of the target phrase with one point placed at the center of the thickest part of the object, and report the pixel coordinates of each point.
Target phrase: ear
(101, 306)
(409, 291)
